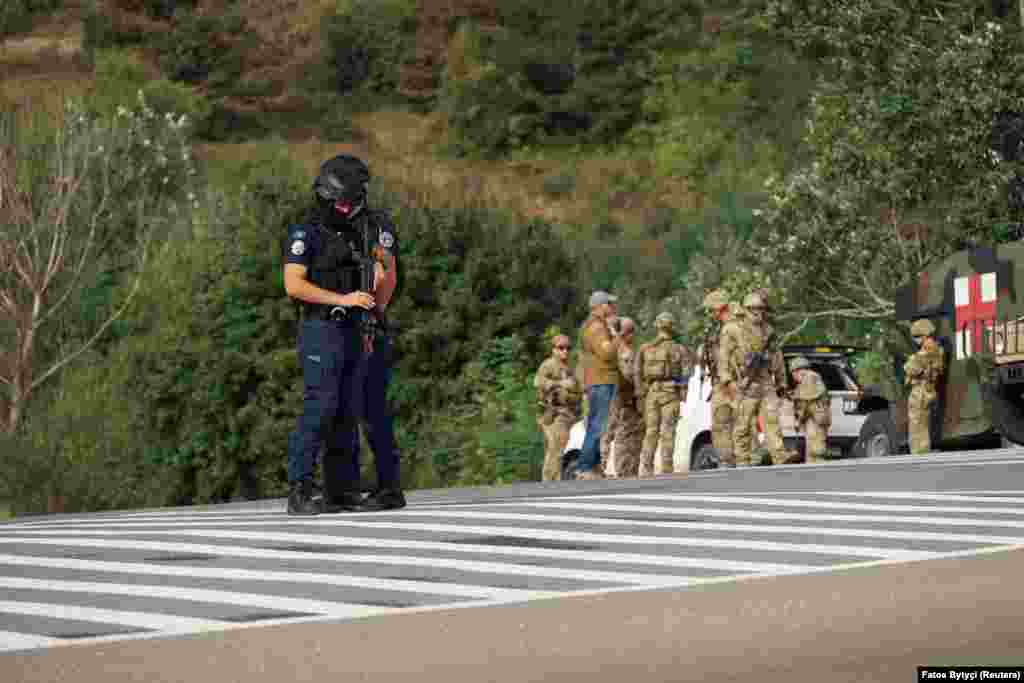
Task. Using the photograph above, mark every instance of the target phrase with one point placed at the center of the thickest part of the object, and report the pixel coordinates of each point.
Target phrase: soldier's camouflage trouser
(817, 418)
(661, 413)
(556, 435)
(721, 427)
(609, 433)
(747, 407)
(629, 436)
(918, 417)
(770, 408)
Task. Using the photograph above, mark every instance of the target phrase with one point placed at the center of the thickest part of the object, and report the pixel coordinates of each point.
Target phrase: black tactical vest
(335, 266)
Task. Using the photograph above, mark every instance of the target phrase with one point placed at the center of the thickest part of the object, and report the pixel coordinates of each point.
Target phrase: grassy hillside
(400, 141)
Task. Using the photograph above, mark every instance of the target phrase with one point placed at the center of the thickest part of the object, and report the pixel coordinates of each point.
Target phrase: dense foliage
(365, 42)
(17, 16)
(907, 166)
(556, 71)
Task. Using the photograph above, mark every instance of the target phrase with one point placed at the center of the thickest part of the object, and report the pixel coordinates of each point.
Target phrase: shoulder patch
(387, 240)
(298, 247)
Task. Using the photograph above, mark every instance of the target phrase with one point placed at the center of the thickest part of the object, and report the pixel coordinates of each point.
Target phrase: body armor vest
(657, 363)
(335, 266)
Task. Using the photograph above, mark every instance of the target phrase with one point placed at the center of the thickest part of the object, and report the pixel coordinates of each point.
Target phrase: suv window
(831, 375)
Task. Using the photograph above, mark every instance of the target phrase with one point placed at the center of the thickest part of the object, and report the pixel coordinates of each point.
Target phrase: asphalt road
(850, 570)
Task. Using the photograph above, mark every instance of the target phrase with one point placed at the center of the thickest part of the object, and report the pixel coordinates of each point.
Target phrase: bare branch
(83, 260)
(795, 331)
(95, 337)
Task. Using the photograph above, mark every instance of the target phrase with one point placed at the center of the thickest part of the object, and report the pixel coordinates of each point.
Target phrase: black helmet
(340, 187)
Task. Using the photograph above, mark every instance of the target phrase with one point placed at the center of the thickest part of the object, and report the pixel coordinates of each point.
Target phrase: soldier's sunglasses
(562, 348)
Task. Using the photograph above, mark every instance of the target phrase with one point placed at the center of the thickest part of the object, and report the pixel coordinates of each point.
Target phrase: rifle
(368, 321)
(708, 362)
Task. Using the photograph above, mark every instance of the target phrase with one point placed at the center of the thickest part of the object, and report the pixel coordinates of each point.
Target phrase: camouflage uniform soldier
(717, 306)
(660, 371)
(812, 409)
(748, 371)
(558, 405)
(629, 423)
(922, 372)
(772, 405)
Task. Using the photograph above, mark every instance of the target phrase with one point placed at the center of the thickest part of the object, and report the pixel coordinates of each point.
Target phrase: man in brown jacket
(599, 356)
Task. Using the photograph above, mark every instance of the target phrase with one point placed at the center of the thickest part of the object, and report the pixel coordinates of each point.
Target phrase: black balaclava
(340, 191)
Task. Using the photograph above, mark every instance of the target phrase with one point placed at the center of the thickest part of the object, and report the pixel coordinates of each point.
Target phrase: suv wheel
(706, 458)
(876, 435)
(569, 465)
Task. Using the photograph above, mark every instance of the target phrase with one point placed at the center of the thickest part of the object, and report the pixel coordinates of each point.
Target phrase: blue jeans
(599, 399)
(330, 353)
(371, 406)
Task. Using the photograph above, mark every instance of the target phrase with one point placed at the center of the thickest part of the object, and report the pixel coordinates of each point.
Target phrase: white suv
(693, 433)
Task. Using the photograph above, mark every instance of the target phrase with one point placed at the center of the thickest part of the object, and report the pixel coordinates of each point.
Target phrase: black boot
(348, 501)
(300, 498)
(384, 499)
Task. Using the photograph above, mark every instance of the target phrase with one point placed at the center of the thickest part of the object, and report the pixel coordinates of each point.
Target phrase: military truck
(972, 299)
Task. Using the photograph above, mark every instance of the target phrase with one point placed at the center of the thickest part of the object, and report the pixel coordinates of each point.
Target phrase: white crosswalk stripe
(122, 575)
(465, 548)
(769, 514)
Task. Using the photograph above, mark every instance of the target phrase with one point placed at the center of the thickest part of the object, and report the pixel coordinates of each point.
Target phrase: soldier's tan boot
(793, 458)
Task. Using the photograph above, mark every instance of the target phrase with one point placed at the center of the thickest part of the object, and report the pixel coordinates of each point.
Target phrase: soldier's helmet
(665, 319)
(715, 299)
(755, 300)
(799, 363)
(922, 328)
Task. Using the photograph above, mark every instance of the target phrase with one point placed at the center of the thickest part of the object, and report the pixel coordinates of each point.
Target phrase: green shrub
(120, 77)
(224, 124)
(252, 88)
(165, 9)
(100, 30)
(84, 452)
(17, 16)
(560, 184)
(205, 47)
(336, 126)
(555, 73)
(365, 42)
(511, 446)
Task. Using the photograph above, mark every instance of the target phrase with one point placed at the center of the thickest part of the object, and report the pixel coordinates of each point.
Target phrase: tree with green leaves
(906, 165)
(91, 192)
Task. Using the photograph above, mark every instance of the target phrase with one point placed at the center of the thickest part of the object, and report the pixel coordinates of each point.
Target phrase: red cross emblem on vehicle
(974, 298)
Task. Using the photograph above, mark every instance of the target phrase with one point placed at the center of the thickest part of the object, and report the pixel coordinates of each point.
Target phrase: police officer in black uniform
(325, 271)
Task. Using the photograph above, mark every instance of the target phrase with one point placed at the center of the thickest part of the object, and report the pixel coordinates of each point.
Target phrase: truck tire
(1007, 416)
(877, 435)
